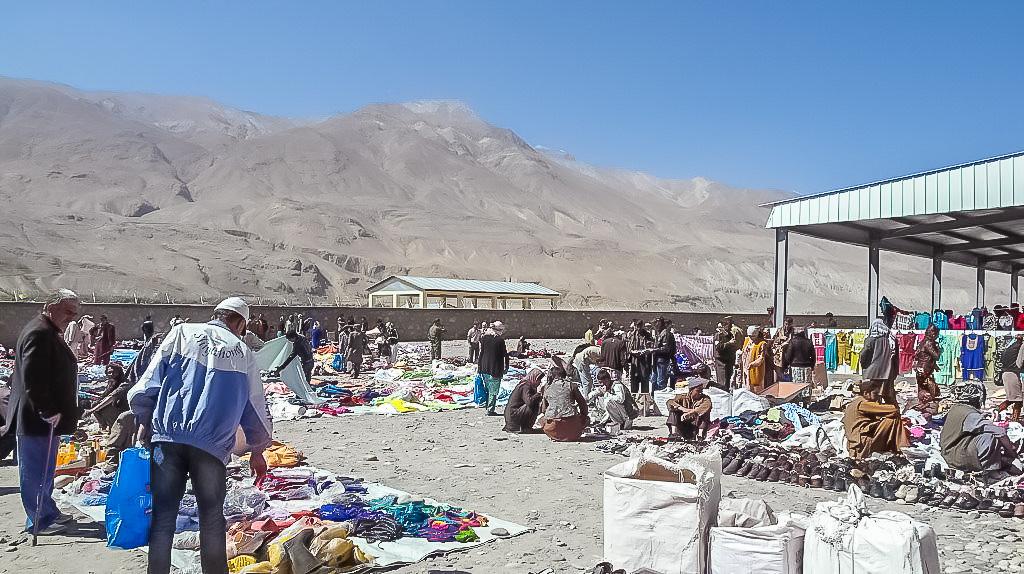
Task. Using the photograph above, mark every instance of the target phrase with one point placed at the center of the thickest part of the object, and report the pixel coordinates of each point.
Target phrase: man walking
(202, 385)
(434, 335)
(493, 363)
(43, 405)
(473, 338)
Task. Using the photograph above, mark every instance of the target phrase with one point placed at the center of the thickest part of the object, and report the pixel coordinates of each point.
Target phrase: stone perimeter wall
(412, 323)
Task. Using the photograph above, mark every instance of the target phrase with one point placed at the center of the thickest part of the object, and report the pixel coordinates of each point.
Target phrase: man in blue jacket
(201, 386)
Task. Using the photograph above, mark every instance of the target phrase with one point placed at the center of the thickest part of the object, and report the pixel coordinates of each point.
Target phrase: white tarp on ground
(405, 550)
(273, 354)
(658, 514)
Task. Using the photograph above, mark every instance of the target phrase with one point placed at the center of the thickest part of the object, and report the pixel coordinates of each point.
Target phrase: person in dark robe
(926, 359)
(103, 338)
(524, 404)
(725, 356)
(638, 341)
(435, 334)
(357, 345)
(493, 363)
(316, 335)
(871, 426)
(970, 442)
(522, 347)
(301, 350)
(614, 356)
(147, 328)
(1011, 361)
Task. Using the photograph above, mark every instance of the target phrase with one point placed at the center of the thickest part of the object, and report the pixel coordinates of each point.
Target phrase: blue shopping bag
(130, 502)
(479, 391)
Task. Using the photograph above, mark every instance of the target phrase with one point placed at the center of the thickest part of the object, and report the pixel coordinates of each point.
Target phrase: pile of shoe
(772, 463)
(956, 491)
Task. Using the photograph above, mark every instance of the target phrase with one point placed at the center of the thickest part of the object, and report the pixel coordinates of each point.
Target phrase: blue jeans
(659, 376)
(170, 465)
(35, 473)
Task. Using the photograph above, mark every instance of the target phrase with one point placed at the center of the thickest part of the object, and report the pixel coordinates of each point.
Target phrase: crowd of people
(189, 417)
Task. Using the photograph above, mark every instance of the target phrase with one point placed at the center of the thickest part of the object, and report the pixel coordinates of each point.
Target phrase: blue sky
(801, 96)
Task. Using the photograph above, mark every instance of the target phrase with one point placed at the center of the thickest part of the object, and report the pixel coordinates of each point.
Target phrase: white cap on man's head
(498, 326)
(695, 382)
(236, 304)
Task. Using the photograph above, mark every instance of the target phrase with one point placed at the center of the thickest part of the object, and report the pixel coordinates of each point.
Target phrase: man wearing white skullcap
(200, 387)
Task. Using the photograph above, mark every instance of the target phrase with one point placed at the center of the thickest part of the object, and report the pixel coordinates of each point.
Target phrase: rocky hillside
(157, 197)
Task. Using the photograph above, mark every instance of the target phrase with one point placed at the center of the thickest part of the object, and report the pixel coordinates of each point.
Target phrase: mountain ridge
(167, 197)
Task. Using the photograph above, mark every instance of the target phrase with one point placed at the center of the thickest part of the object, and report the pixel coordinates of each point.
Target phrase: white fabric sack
(658, 514)
(812, 437)
(843, 538)
(724, 404)
(745, 513)
(773, 549)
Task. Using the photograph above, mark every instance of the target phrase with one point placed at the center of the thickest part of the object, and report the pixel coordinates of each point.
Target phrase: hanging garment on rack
(818, 340)
(843, 347)
(922, 320)
(990, 322)
(904, 321)
(972, 357)
(974, 319)
(990, 357)
(958, 323)
(1006, 322)
(949, 353)
(940, 319)
(908, 344)
(856, 346)
(831, 352)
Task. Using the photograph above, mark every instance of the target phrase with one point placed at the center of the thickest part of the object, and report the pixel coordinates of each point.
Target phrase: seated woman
(524, 404)
(971, 443)
(565, 408)
(114, 399)
(872, 426)
(613, 404)
(690, 412)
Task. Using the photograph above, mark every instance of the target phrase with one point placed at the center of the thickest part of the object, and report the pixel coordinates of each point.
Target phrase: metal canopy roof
(972, 214)
(468, 286)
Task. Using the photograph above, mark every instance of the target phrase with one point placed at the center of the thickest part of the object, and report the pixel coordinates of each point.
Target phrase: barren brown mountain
(156, 197)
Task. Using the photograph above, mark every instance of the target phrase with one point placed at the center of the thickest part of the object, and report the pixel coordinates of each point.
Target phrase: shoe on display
(912, 494)
(733, 466)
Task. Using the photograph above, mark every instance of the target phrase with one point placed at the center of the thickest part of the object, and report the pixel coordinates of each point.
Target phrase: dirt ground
(462, 457)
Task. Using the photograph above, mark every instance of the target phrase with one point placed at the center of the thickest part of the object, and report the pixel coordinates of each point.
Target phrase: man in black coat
(43, 406)
(493, 363)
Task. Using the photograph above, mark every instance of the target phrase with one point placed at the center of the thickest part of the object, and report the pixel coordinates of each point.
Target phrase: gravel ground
(462, 457)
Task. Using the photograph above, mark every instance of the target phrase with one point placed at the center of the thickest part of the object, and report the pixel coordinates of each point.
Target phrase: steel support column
(1014, 280)
(781, 268)
(936, 280)
(873, 252)
(981, 285)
